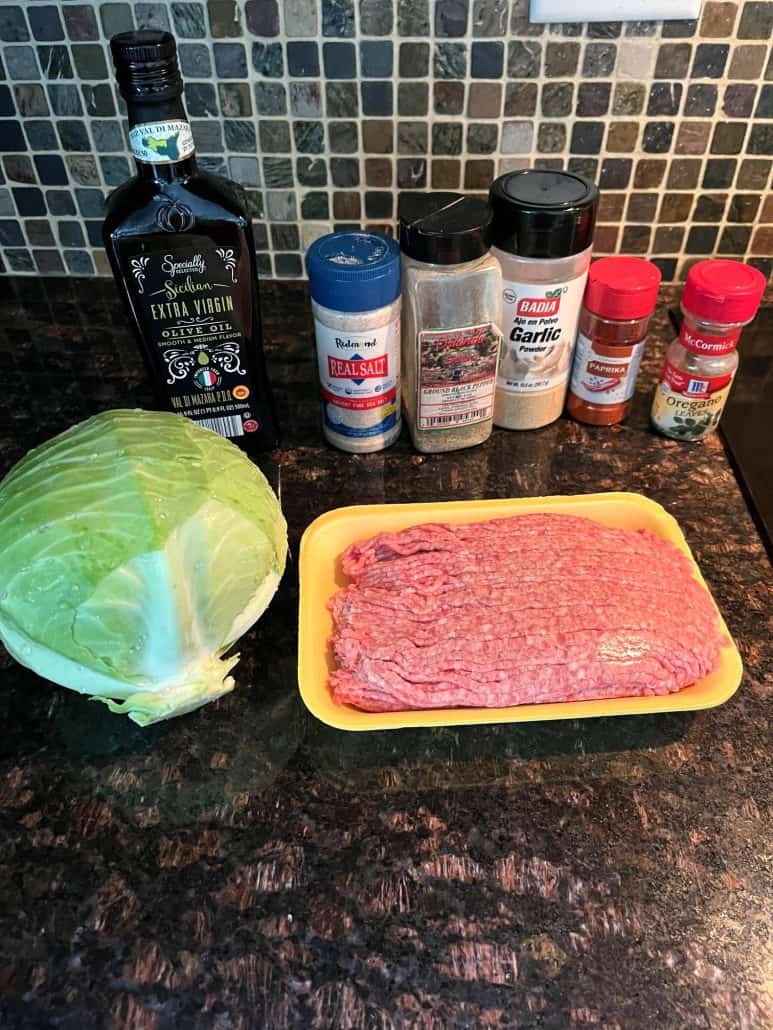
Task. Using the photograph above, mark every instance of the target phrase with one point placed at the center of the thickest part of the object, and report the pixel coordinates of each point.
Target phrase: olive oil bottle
(181, 248)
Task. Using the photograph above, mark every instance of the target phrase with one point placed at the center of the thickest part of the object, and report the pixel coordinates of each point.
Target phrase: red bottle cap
(723, 291)
(622, 287)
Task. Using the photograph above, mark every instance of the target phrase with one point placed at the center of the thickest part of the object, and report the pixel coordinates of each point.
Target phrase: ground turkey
(533, 608)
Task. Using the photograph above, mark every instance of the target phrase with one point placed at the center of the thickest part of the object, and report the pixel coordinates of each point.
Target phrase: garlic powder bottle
(543, 231)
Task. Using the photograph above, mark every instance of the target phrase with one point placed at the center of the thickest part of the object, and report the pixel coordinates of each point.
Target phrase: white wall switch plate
(612, 10)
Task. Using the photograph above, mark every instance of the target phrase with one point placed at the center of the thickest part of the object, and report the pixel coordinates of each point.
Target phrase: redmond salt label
(605, 375)
(359, 378)
(540, 323)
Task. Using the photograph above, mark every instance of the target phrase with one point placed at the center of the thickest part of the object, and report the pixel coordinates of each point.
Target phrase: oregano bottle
(181, 248)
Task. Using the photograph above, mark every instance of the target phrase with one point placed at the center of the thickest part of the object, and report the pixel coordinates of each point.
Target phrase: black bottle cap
(543, 214)
(444, 228)
(146, 65)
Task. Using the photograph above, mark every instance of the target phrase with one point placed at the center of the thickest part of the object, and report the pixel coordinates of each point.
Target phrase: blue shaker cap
(354, 271)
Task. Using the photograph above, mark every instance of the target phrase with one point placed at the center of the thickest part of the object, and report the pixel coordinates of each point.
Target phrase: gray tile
(73, 135)
(450, 60)
(21, 63)
(305, 99)
(277, 172)
(45, 22)
(489, 17)
(151, 16)
(189, 20)
(262, 17)
(301, 17)
(376, 17)
(244, 170)
(79, 262)
(116, 18)
(309, 137)
(338, 18)
(523, 59)
(48, 262)
(13, 25)
(195, 62)
(115, 169)
(30, 100)
(208, 136)
(18, 168)
(19, 260)
(201, 100)
(39, 234)
(311, 171)
(55, 62)
(451, 17)
(83, 169)
(230, 60)
(108, 136)
(267, 59)
(235, 100)
(280, 205)
(413, 17)
(65, 99)
(80, 22)
(224, 18)
(98, 100)
(270, 98)
(342, 99)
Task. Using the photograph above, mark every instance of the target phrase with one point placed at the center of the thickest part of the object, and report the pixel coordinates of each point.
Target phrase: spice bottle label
(541, 322)
(603, 374)
(359, 374)
(161, 142)
(687, 405)
(457, 372)
(703, 343)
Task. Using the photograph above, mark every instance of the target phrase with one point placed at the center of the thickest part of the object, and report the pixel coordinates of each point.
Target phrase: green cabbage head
(135, 548)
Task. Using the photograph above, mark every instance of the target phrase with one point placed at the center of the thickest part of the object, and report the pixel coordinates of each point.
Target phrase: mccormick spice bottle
(612, 334)
(543, 231)
(452, 308)
(719, 299)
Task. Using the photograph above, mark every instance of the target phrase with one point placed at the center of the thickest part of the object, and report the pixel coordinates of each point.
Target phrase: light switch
(612, 10)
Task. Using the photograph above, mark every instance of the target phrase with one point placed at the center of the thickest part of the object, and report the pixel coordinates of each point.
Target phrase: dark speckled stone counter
(246, 866)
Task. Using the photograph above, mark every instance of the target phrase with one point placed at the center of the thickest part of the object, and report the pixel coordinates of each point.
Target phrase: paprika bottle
(612, 334)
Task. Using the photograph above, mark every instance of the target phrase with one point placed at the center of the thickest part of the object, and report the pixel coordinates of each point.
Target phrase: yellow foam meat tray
(321, 576)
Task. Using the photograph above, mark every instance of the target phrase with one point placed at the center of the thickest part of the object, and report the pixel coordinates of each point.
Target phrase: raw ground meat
(533, 608)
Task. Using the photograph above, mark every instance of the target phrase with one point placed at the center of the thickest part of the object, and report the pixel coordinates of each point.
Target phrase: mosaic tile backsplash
(324, 110)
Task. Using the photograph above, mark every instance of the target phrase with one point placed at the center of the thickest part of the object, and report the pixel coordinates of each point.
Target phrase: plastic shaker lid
(543, 214)
(622, 287)
(444, 228)
(354, 271)
(723, 291)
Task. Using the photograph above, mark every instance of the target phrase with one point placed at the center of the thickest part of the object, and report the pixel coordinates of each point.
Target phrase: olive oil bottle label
(686, 405)
(188, 300)
(161, 142)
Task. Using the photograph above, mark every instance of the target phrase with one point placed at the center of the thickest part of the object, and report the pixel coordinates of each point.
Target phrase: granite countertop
(246, 866)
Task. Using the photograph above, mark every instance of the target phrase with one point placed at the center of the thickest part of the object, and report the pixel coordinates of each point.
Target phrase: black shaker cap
(146, 65)
(543, 214)
(444, 228)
